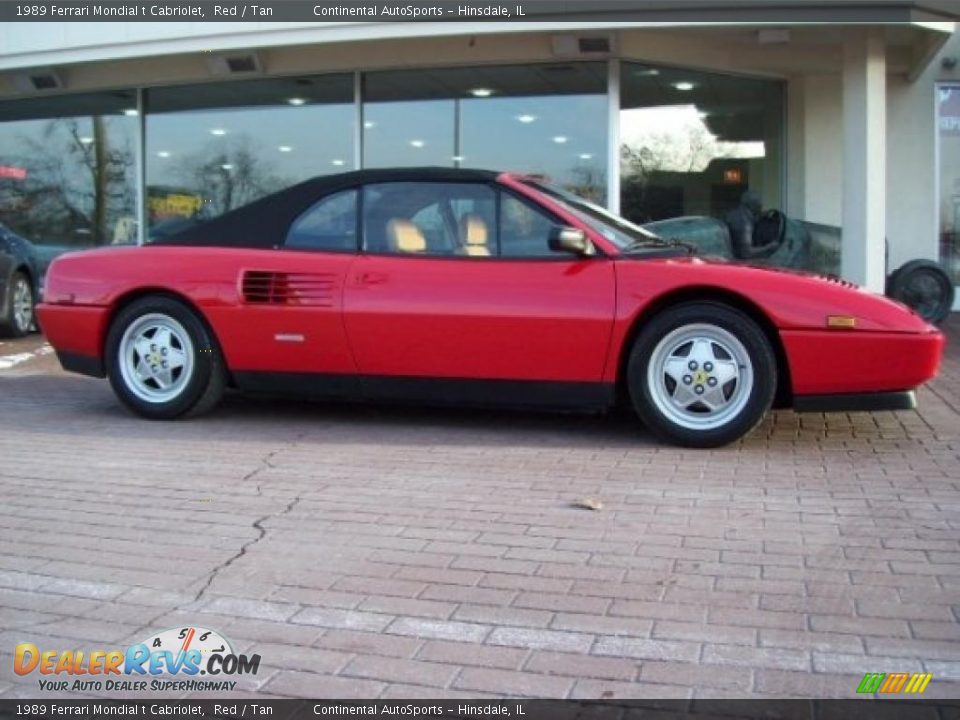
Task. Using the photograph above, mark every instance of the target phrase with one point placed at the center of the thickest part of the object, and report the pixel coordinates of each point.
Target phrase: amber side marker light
(841, 321)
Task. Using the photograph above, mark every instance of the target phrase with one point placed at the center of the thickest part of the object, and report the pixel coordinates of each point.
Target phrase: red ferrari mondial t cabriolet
(472, 287)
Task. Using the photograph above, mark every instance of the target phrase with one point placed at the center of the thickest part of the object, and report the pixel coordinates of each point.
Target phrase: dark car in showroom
(19, 284)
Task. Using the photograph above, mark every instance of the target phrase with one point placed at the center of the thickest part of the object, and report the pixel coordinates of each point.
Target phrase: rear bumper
(83, 364)
(77, 334)
(856, 402)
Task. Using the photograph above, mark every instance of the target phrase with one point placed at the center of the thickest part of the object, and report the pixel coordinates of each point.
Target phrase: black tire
(196, 394)
(746, 411)
(12, 324)
(925, 287)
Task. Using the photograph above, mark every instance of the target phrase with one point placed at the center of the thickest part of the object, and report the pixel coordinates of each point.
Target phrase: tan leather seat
(473, 235)
(405, 237)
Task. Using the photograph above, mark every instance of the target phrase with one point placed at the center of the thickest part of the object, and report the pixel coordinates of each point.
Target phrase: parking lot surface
(375, 551)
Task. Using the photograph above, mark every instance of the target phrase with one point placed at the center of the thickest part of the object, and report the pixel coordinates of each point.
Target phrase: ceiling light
(417, 143)
(284, 148)
(338, 163)
(297, 101)
(369, 124)
(526, 119)
(86, 140)
(646, 72)
(481, 92)
(131, 112)
(219, 132)
(585, 156)
(163, 154)
(227, 166)
(684, 86)
(560, 139)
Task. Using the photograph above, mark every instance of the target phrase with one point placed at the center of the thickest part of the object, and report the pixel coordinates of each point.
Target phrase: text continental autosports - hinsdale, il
(416, 11)
(414, 710)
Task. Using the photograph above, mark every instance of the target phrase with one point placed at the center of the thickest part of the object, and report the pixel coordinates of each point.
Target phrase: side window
(524, 230)
(330, 224)
(413, 218)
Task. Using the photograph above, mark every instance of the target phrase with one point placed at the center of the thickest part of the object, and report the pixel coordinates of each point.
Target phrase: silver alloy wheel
(700, 376)
(22, 304)
(156, 358)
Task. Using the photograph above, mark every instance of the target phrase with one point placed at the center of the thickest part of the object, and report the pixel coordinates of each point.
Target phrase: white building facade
(119, 131)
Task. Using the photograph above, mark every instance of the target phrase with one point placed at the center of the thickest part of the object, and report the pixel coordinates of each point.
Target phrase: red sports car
(472, 287)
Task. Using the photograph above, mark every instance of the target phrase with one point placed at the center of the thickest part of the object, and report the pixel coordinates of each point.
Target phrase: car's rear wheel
(701, 374)
(18, 320)
(162, 361)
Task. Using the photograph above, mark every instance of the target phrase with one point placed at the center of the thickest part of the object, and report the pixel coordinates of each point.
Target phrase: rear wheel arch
(784, 392)
(132, 296)
(25, 270)
(177, 333)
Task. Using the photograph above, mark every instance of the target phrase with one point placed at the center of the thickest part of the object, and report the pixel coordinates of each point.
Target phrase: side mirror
(571, 240)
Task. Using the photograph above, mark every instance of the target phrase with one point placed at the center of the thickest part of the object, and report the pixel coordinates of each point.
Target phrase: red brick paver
(391, 552)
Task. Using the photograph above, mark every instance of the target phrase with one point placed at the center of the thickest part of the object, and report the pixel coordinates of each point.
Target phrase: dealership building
(846, 116)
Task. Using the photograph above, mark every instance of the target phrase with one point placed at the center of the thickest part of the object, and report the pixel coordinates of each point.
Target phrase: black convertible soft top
(264, 222)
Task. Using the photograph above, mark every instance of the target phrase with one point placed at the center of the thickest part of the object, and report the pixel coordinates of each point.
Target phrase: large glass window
(67, 170)
(543, 119)
(693, 143)
(948, 104)
(214, 147)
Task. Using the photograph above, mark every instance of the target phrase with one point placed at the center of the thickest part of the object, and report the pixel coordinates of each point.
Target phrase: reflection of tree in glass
(79, 186)
(688, 149)
(589, 183)
(232, 173)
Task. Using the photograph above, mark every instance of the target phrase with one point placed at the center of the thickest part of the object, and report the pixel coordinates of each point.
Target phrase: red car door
(290, 315)
(440, 293)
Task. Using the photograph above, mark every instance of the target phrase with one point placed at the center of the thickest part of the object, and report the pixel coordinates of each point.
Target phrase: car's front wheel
(18, 320)
(162, 361)
(701, 374)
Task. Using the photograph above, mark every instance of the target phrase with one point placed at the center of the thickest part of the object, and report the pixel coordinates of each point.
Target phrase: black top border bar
(511, 11)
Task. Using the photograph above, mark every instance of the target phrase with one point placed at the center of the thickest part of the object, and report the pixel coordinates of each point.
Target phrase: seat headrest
(405, 237)
(473, 234)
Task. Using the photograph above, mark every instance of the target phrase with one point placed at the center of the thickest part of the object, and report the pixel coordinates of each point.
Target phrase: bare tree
(79, 183)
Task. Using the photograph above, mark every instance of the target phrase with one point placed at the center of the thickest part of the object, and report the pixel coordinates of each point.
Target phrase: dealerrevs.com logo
(171, 660)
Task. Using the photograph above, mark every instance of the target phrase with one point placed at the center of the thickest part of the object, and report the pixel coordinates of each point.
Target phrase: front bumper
(832, 362)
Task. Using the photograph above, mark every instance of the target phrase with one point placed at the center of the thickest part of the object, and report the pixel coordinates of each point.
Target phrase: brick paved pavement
(370, 551)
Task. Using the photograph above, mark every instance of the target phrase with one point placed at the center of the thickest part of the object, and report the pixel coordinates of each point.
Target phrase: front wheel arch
(783, 396)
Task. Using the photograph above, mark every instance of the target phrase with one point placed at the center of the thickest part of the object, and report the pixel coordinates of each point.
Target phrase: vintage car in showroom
(472, 287)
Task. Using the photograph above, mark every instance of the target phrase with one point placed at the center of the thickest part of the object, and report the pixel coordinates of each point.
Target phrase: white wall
(815, 159)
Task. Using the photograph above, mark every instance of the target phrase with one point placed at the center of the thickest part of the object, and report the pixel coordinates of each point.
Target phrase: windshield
(622, 233)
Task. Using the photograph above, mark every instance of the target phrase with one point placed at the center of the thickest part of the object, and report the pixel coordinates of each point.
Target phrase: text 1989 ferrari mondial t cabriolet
(471, 287)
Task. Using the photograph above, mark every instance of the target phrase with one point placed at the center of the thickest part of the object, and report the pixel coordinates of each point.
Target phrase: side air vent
(263, 287)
